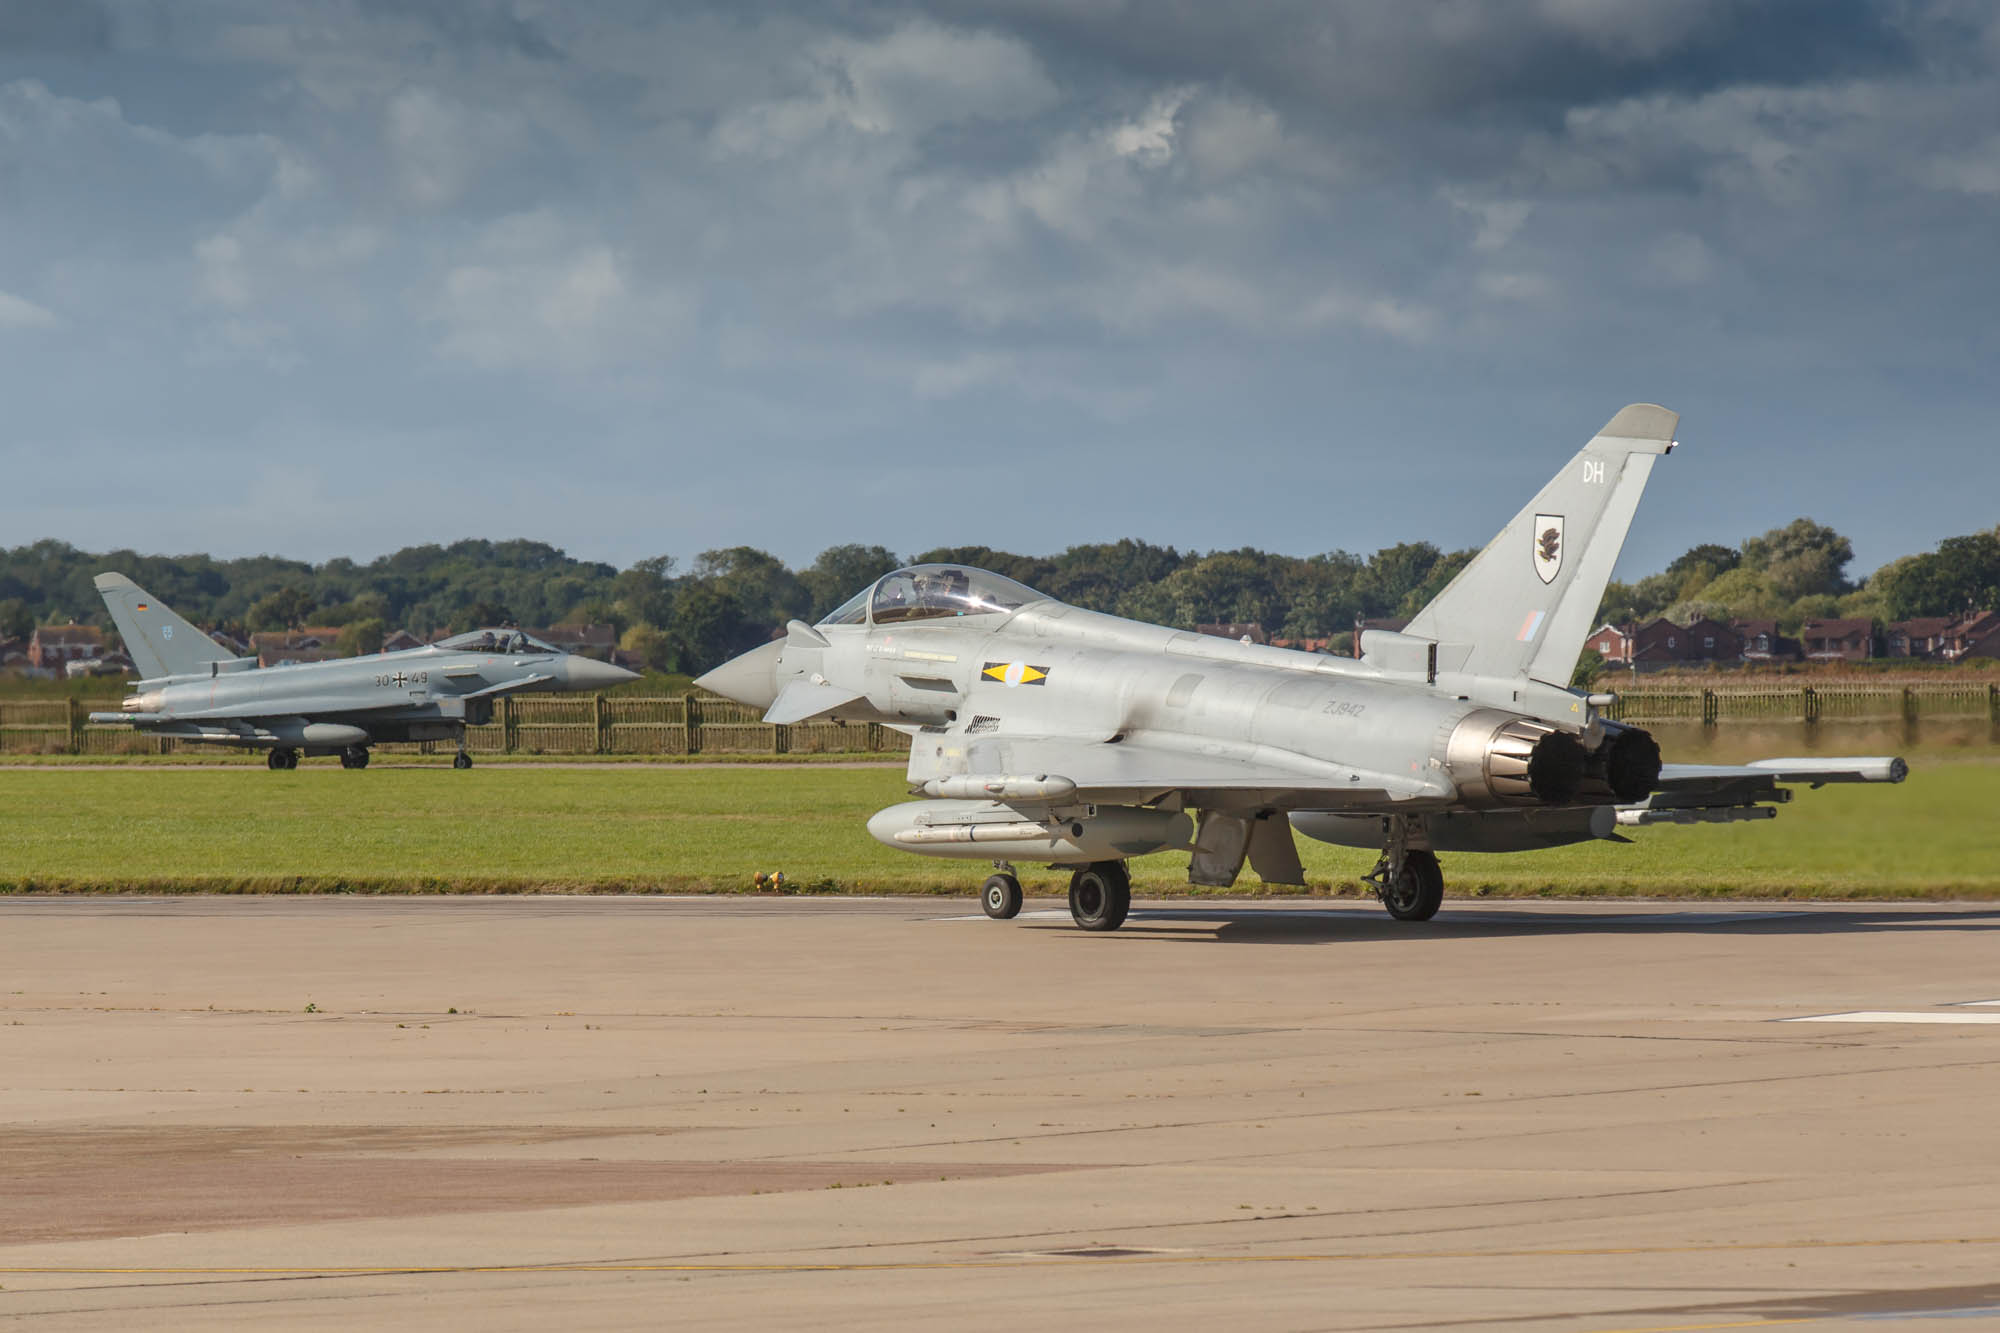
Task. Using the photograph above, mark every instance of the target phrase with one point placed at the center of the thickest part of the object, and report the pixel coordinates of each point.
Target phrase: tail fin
(159, 642)
(1522, 609)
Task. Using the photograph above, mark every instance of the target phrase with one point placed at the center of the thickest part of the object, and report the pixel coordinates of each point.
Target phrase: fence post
(507, 724)
(781, 739)
(1993, 702)
(1909, 703)
(602, 709)
(1809, 703)
(1708, 707)
(691, 722)
(76, 716)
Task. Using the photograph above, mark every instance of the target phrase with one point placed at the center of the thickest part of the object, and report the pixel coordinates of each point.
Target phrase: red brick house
(1713, 641)
(1976, 635)
(1660, 642)
(1925, 636)
(1613, 643)
(1850, 639)
(1762, 642)
(51, 646)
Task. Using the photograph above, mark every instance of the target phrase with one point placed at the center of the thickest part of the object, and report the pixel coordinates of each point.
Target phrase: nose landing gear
(1001, 895)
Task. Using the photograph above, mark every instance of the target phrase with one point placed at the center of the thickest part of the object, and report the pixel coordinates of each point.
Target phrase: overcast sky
(334, 278)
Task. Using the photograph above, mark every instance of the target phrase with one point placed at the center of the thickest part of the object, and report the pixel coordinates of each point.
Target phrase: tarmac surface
(606, 1112)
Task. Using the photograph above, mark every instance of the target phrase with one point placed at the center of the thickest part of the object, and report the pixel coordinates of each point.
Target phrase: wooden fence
(695, 724)
(1858, 701)
(553, 724)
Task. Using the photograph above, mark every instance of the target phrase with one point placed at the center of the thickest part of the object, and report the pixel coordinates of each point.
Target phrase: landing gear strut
(1001, 896)
(354, 756)
(281, 758)
(1408, 879)
(1100, 895)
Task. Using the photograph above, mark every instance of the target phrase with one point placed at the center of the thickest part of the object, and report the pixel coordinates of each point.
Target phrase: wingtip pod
(1819, 769)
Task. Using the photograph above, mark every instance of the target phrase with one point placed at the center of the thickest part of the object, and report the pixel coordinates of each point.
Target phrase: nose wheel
(1100, 895)
(1001, 897)
(461, 760)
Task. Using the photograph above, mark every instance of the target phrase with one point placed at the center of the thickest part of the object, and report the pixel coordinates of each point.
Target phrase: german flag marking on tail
(1015, 673)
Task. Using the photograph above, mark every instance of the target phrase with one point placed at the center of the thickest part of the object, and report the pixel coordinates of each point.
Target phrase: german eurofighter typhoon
(192, 689)
(1047, 733)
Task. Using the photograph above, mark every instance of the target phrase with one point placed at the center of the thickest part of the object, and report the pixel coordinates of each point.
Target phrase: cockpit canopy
(494, 641)
(931, 592)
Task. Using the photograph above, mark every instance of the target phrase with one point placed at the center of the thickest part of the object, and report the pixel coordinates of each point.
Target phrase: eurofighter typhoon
(1049, 734)
(192, 689)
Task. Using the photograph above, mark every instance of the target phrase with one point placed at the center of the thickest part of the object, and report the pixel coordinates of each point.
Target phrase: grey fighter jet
(1046, 733)
(193, 690)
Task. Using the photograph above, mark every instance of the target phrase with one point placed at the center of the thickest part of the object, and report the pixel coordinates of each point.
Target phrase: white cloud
(440, 146)
(1523, 287)
(18, 312)
(544, 296)
(1680, 259)
(917, 77)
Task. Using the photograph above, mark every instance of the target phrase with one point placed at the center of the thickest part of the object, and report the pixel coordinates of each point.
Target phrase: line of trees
(1799, 572)
(732, 599)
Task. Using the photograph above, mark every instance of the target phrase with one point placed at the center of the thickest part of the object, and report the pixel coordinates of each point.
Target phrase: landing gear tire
(1417, 893)
(282, 759)
(1001, 898)
(354, 756)
(461, 760)
(1100, 895)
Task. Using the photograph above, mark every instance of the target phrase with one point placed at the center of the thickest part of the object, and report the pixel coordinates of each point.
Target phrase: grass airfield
(424, 828)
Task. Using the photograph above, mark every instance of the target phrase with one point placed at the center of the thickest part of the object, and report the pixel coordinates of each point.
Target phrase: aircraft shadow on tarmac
(1191, 925)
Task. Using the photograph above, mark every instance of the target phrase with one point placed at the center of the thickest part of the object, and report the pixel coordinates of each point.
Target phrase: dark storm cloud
(1502, 57)
(572, 269)
(37, 25)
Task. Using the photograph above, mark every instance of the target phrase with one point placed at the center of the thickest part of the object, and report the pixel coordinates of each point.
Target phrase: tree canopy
(732, 599)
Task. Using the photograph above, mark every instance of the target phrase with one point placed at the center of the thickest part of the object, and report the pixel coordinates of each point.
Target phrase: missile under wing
(1047, 733)
(193, 689)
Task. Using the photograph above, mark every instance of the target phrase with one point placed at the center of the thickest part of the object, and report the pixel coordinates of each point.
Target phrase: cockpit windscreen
(494, 641)
(927, 592)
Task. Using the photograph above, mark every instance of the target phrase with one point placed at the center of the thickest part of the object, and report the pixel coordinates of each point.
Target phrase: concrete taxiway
(776, 1113)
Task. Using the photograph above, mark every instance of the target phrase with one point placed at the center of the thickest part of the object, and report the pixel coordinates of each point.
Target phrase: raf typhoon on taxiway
(1050, 734)
(192, 689)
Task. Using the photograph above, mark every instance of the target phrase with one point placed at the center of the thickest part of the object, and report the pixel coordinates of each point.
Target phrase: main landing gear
(281, 758)
(1100, 894)
(354, 756)
(1408, 879)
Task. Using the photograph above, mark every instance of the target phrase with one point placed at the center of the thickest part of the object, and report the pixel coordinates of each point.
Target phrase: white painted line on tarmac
(1894, 1016)
(1045, 915)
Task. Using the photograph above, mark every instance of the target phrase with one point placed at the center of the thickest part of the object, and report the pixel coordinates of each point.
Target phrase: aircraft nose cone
(587, 673)
(749, 679)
